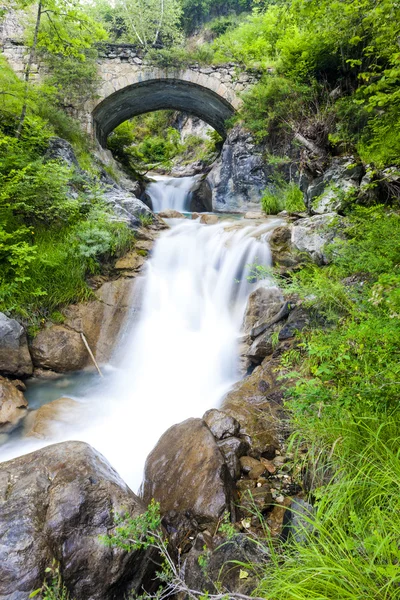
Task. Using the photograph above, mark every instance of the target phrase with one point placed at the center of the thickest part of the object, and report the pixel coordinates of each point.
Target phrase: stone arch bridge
(130, 86)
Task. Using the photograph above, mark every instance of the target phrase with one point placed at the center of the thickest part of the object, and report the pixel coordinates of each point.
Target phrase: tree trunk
(29, 68)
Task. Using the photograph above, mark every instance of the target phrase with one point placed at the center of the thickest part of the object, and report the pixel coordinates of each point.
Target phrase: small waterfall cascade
(171, 192)
(180, 356)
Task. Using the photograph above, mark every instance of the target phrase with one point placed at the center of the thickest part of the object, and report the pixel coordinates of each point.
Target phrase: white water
(171, 192)
(180, 357)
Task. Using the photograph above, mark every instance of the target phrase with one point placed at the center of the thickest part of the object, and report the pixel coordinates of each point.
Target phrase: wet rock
(233, 448)
(170, 213)
(282, 314)
(314, 234)
(12, 405)
(261, 347)
(14, 353)
(187, 471)
(263, 304)
(238, 178)
(220, 424)
(55, 504)
(281, 248)
(102, 319)
(209, 219)
(257, 403)
(222, 565)
(59, 349)
(201, 197)
(51, 418)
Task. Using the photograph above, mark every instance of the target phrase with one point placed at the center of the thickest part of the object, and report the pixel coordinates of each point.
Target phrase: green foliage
(53, 587)
(226, 528)
(136, 533)
(283, 196)
(352, 551)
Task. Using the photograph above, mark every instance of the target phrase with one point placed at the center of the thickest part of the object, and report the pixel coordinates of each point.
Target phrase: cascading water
(180, 357)
(171, 192)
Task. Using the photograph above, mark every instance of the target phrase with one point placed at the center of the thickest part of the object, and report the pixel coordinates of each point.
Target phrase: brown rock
(195, 215)
(254, 215)
(248, 463)
(259, 498)
(12, 405)
(55, 504)
(130, 262)
(209, 219)
(41, 423)
(170, 213)
(59, 349)
(101, 320)
(257, 403)
(220, 424)
(14, 353)
(257, 471)
(269, 466)
(186, 471)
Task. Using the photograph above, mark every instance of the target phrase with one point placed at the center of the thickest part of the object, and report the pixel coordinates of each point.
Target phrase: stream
(178, 355)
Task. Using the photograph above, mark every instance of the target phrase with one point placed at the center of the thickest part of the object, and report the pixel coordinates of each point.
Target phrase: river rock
(314, 234)
(55, 504)
(132, 261)
(186, 471)
(56, 415)
(59, 348)
(257, 403)
(220, 424)
(14, 353)
(209, 219)
(254, 215)
(103, 319)
(12, 405)
(170, 213)
(261, 347)
(263, 304)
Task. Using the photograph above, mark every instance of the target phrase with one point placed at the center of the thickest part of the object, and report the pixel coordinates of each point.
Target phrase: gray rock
(233, 449)
(238, 178)
(14, 353)
(297, 321)
(297, 521)
(326, 194)
(62, 150)
(220, 424)
(261, 347)
(186, 471)
(263, 305)
(224, 564)
(312, 235)
(55, 504)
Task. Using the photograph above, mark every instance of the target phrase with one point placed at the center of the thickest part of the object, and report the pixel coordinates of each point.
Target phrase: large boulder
(238, 178)
(262, 306)
(55, 504)
(102, 319)
(59, 348)
(12, 405)
(14, 353)
(186, 471)
(327, 193)
(313, 235)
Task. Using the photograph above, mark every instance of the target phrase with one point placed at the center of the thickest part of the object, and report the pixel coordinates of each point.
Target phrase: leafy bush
(283, 196)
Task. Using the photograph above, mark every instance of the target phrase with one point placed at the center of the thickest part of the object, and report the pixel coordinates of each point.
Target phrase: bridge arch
(159, 94)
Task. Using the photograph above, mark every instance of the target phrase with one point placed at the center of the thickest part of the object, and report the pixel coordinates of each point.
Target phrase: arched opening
(160, 94)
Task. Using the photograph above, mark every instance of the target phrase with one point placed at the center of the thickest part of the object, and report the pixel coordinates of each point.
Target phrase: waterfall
(171, 192)
(180, 355)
